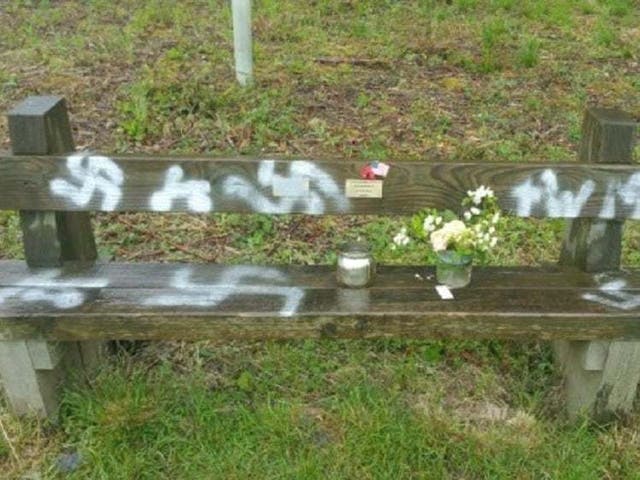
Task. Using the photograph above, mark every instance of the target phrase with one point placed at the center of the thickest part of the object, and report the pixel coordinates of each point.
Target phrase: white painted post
(242, 43)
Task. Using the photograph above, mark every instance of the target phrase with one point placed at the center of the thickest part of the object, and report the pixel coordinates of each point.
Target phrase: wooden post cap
(39, 125)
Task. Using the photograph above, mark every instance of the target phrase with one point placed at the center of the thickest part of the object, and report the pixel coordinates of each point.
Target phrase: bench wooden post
(601, 377)
(31, 370)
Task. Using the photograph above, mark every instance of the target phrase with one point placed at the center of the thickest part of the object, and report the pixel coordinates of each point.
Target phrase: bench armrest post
(601, 378)
(32, 370)
(40, 126)
(590, 244)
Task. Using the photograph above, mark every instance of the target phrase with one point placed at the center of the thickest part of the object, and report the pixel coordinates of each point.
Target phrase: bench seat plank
(224, 302)
(159, 275)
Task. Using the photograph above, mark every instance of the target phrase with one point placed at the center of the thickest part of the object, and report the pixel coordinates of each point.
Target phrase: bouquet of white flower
(457, 240)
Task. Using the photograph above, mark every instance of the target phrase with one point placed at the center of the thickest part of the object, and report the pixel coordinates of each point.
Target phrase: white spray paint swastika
(545, 191)
(228, 285)
(195, 192)
(611, 295)
(46, 287)
(630, 194)
(91, 173)
(324, 189)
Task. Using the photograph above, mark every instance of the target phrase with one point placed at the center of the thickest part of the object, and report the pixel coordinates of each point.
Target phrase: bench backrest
(54, 189)
(93, 182)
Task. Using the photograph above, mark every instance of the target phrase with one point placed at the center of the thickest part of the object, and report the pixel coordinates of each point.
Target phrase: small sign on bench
(356, 188)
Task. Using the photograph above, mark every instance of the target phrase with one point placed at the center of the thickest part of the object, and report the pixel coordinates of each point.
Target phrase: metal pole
(242, 46)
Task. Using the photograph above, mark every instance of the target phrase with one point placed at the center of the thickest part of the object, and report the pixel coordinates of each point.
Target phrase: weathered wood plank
(93, 182)
(256, 300)
(269, 326)
(249, 302)
(160, 275)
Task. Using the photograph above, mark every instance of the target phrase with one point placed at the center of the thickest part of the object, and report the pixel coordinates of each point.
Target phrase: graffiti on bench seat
(47, 287)
(230, 284)
(612, 294)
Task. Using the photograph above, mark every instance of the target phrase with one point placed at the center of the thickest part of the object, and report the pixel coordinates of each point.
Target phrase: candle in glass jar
(356, 266)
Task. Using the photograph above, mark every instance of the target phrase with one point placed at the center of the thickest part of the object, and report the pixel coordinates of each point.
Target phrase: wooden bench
(61, 294)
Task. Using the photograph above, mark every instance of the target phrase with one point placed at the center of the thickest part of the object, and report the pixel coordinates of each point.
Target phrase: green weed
(529, 53)
(136, 121)
(605, 35)
(493, 37)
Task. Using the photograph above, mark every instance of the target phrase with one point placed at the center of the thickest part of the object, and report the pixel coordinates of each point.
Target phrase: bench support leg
(32, 370)
(600, 378)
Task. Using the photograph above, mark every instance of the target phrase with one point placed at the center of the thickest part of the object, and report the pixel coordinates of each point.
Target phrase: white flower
(450, 231)
(467, 215)
(495, 218)
(493, 242)
(438, 220)
(492, 229)
(475, 211)
(479, 194)
(455, 227)
(428, 225)
(439, 240)
(401, 239)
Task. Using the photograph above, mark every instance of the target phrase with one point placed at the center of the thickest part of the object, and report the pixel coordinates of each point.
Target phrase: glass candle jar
(356, 266)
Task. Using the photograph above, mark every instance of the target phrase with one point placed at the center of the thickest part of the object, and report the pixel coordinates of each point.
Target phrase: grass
(495, 80)
(333, 410)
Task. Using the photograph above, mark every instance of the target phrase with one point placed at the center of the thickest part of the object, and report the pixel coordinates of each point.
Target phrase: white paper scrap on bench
(444, 292)
(290, 187)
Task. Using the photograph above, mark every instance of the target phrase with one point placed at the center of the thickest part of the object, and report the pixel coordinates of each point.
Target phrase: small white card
(356, 188)
(444, 292)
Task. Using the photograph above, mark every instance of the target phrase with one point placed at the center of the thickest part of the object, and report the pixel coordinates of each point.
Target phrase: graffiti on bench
(612, 294)
(47, 287)
(195, 192)
(543, 191)
(230, 284)
(91, 175)
(322, 186)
